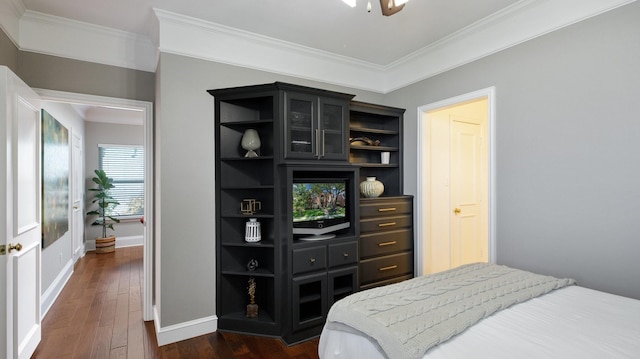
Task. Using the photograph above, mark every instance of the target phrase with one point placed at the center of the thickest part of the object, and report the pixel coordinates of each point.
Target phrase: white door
(458, 190)
(20, 217)
(77, 216)
(468, 234)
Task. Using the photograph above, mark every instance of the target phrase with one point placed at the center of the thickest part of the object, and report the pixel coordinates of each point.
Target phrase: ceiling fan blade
(386, 11)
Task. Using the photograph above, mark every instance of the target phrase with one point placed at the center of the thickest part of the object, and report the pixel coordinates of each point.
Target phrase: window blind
(125, 164)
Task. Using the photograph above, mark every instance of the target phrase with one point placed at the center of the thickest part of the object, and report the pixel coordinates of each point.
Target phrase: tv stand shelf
(304, 138)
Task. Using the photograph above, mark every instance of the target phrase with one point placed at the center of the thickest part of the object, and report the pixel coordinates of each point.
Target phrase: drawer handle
(345, 254)
(389, 209)
(388, 224)
(384, 244)
(388, 268)
(312, 260)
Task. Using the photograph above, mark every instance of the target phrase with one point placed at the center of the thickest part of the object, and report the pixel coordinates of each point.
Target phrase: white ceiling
(321, 40)
(327, 25)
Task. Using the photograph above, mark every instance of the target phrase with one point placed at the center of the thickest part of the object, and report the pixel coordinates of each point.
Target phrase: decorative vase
(252, 231)
(371, 187)
(250, 142)
(106, 245)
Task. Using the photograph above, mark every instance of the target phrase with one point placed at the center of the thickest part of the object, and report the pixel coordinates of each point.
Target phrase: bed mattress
(572, 322)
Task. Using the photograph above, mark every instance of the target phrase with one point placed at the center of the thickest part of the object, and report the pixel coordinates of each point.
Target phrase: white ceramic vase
(371, 187)
(250, 142)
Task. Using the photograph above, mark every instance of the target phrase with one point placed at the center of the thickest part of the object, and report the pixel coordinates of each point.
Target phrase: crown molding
(53, 35)
(192, 37)
(188, 36)
(10, 13)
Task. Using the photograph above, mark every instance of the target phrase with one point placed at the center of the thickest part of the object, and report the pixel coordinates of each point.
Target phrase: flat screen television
(320, 207)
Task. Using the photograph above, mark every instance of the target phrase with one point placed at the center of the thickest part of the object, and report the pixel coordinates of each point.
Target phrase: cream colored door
(77, 215)
(20, 218)
(468, 231)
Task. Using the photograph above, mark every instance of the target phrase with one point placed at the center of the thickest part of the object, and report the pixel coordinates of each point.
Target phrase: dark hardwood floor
(99, 315)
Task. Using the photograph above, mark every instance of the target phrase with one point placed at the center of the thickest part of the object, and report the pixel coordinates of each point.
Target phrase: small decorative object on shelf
(252, 265)
(364, 141)
(250, 142)
(371, 187)
(252, 307)
(384, 157)
(250, 206)
(252, 231)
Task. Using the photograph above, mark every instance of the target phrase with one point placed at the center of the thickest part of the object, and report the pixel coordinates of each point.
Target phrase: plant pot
(106, 245)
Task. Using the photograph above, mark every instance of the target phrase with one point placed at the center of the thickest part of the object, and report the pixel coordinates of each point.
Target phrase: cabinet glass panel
(300, 136)
(332, 130)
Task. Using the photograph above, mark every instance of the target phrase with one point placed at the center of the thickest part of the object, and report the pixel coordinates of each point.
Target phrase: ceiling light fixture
(389, 7)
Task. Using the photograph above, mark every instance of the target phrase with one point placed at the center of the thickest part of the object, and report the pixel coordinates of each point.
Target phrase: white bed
(571, 322)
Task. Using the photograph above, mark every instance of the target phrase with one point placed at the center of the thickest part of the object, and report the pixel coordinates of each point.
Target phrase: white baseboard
(121, 242)
(51, 294)
(187, 330)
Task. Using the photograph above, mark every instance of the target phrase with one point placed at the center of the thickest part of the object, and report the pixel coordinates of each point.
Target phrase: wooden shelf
(246, 273)
(374, 148)
(373, 130)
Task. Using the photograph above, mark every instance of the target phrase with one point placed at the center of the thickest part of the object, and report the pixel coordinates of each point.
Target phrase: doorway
(455, 206)
(147, 113)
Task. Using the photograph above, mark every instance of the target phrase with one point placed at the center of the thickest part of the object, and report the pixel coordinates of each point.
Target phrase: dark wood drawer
(309, 259)
(376, 224)
(343, 254)
(382, 243)
(376, 269)
(384, 207)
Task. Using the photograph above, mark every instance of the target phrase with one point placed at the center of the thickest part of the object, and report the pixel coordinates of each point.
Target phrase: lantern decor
(252, 231)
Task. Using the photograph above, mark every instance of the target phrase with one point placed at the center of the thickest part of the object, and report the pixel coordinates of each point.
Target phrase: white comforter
(573, 322)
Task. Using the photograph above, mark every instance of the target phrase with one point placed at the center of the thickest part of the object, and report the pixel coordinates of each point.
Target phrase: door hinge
(3, 249)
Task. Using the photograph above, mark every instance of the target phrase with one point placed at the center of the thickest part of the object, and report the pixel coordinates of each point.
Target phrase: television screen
(319, 201)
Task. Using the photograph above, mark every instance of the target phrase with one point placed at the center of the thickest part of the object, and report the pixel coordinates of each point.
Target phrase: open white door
(20, 244)
(77, 190)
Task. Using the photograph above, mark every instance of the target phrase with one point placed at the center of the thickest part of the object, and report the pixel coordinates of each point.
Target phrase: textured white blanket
(406, 319)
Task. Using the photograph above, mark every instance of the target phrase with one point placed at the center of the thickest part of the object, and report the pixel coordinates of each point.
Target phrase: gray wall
(60, 253)
(112, 134)
(8, 53)
(185, 170)
(568, 164)
(57, 73)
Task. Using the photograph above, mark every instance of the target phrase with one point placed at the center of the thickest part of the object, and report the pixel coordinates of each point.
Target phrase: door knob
(457, 211)
(16, 246)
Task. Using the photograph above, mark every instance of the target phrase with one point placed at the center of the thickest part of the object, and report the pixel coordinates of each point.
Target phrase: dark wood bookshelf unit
(304, 133)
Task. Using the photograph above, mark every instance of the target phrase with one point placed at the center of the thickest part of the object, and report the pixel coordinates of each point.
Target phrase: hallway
(99, 312)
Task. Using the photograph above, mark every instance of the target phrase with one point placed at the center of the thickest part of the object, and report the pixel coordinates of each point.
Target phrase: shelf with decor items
(373, 130)
(246, 188)
(268, 137)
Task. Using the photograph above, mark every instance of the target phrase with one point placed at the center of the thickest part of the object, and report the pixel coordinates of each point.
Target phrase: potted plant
(105, 201)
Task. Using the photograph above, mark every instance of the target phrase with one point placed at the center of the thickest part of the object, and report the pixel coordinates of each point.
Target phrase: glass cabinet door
(333, 130)
(300, 126)
(315, 127)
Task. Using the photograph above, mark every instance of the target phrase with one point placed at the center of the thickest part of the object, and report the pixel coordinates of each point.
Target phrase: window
(125, 164)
